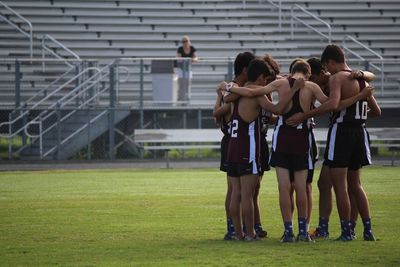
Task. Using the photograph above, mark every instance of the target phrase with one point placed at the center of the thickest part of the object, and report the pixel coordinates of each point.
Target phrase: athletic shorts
(289, 161)
(347, 147)
(238, 169)
(223, 166)
(264, 155)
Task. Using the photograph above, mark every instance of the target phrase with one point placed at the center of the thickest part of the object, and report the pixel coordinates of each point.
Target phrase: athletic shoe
(344, 238)
(229, 236)
(287, 238)
(261, 233)
(319, 234)
(304, 238)
(369, 236)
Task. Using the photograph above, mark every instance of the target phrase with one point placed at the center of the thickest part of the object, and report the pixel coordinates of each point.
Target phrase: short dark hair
(302, 67)
(256, 68)
(242, 61)
(316, 65)
(332, 52)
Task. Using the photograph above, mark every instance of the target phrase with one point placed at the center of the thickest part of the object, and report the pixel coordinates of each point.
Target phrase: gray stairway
(75, 133)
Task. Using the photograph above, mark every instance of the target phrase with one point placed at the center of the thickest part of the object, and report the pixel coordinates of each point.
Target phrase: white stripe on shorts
(332, 139)
(276, 131)
(367, 150)
(310, 154)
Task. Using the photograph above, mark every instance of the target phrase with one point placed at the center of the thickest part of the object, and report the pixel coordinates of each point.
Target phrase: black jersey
(354, 114)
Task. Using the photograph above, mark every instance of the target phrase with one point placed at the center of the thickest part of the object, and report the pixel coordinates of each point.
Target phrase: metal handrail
(279, 6)
(32, 136)
(119, 81)
(46, 48)
(44, 90)
(45, 98)
(75, 133)
(294, 17)
(30, 35)
(41, 119)
(77, 89)
(79, 107)
(380, 58)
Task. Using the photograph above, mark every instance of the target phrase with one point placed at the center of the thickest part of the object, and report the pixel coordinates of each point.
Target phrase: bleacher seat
(220, 28)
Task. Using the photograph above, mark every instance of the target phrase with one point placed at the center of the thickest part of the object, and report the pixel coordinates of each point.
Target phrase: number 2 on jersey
(234, 128)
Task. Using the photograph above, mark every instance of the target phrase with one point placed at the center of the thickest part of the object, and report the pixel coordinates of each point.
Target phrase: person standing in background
(184, 68)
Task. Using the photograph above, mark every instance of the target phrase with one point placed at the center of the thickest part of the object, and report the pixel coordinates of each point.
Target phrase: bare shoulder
(311, 85)
(281, 84)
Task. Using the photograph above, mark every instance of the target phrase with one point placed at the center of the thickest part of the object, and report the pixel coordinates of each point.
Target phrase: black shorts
(289, 161)
(264, 153)
(347, 147)
(223, 166)
(237, 169)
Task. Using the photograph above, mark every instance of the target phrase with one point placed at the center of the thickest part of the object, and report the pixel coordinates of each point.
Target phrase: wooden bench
(184, 139)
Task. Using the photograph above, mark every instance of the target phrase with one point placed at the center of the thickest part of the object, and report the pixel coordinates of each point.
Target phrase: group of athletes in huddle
(244, 109)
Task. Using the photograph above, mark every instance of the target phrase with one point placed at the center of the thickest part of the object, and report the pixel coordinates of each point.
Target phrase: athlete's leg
(358, 192)
(300, 187)
(362, 202)
(247, 187)
(353, 203)
(257, 219)
(229, 223)
(234, 206)
(339, 180)
(285, 202)
(325, 193)
(325, 203)
(284, 187)
(309, 203)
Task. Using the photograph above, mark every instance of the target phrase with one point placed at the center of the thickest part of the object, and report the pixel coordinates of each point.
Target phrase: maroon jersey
(354, 114)
(287, 139)
(244, 145)
(225, 127)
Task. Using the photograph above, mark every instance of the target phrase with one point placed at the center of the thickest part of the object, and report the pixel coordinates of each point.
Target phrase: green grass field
(171, 218)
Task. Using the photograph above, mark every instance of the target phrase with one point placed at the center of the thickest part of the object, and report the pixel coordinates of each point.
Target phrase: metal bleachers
(111, 29)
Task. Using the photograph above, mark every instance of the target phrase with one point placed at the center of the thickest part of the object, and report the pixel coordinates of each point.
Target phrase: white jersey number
(364, 110)
(234, 128)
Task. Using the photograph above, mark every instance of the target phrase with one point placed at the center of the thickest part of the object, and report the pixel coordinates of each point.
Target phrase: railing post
(366, 65)
(291, 23)
(89, 146)
(199, 124)
(43, 54)
(230, 68)
(92, 89)
(17, 84)
(58, 113)
(24, 121)
(382, 77)
(9, 137)
(280, 15)
(141, 120)
(40, 140)
(111, 140)
(77, 82)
